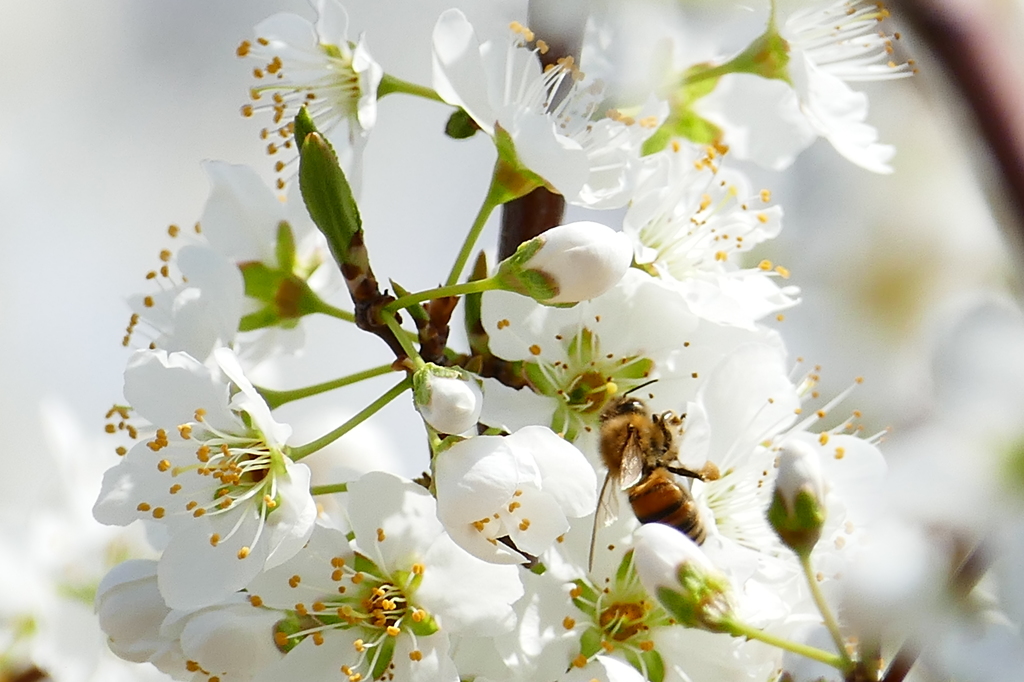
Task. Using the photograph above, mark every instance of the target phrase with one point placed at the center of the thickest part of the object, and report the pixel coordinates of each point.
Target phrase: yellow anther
(580, 661)
(823, 438)
(158, 513)
(416, 655)
(294, 581)
(418, 569)
(163, 465)
(255, 600)
(318, 638)
(393, 631)
(243, 552)
(568, 623)
(783, 272)
(380, 535)
(840, 453)
(765, 265)
(243, 48)
(143, 507)
(185, 431)
(215, 539)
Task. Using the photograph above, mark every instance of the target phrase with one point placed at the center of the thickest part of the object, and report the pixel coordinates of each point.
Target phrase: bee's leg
(708, 472)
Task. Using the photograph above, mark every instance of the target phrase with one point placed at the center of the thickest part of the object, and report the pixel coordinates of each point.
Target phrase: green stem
(276, 399)
(301, 451)
(491, 201)
(473, 287)
(326, 308)
(819, 601)
(740, 629)
(403, 337)
(389, 84)
(328, 489)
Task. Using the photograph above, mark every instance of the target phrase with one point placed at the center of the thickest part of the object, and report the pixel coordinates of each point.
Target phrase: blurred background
(108, 108)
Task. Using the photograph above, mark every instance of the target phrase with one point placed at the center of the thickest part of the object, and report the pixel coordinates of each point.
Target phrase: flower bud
(448, 399)
(568, 263)
(683, 580)
(797, 512)
(130, 610)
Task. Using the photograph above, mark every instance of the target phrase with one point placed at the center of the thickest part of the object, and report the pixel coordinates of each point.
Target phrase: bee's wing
(607, 512)
(632, 464)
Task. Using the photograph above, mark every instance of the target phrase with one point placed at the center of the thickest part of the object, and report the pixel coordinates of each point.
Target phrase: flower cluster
(624, 478)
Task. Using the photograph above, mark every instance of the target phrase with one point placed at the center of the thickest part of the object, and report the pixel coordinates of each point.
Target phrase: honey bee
(640, 451)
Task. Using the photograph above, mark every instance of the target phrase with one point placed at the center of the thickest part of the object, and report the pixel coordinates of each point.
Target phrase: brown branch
(965, 41)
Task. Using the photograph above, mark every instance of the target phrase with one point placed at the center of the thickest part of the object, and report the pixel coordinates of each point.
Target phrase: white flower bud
(679, 575)
(130, 610)
(799, 470)
(448, 399)
(568, 263)
(797, 512)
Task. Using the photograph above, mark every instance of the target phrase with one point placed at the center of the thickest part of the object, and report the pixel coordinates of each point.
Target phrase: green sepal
(701, 596)
(262, 318)
(362, 564)
(799, 528)
(590, 642)
(460, 125)
(287, 297)
(511, 178)
(647, 663)
(682, 120)
(325, 189)
(766, 56)
(284, 247)
(625, 573)
(423, 628)
(588, 597)
(514, 275)
(290, 625)
(420, 380)
(385, 651)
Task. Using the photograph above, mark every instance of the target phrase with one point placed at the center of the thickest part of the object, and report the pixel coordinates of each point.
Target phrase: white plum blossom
(577, 359)
(391, 602)
(215, 473)
(282, 255)
(313, 66)
(828, 43)
(568, 263)
(691, 223)
(198, 313)
(524, 486)
(586, 158)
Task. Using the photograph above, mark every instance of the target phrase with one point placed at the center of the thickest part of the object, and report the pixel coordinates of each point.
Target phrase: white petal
(250, 401)
(193, 573)
(565, 472)
(241, 215)
(168, 388)
(760, 117)
(291, 523)
(459, 76)
(404, 511)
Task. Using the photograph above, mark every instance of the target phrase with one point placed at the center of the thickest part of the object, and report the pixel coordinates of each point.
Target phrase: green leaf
(326, 191)
(460, 125)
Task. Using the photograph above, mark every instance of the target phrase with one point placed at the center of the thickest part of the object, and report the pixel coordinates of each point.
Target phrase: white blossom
(313, 66)
(524, 486)
(222, 484)
(587, 161)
